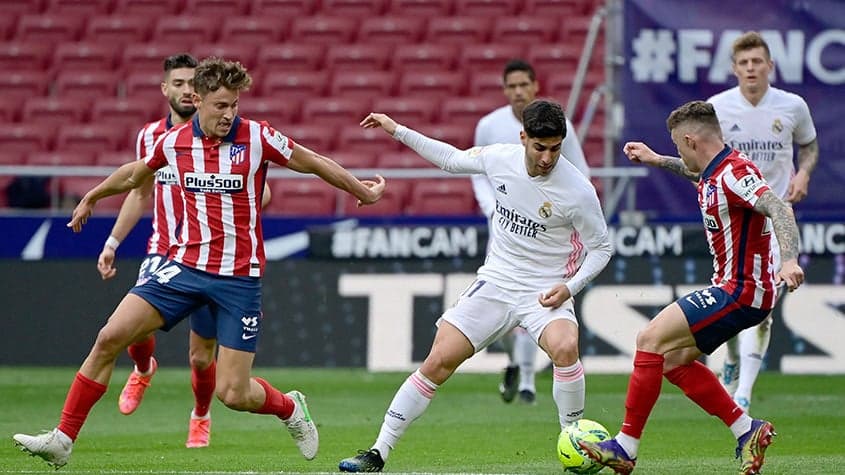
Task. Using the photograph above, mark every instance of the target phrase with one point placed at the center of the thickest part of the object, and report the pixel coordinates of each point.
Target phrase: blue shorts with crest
(714, 317)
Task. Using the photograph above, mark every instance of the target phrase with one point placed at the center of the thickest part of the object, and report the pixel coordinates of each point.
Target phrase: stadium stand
(301, 197)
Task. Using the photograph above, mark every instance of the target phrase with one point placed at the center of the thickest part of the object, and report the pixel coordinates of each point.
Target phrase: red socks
(703, 387)
(203, 382)
(141, 353)
(275, 402)
(643, 391)
(81, 397)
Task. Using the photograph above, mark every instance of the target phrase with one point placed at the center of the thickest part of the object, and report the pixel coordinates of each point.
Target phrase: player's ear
(196, 99)
(690, 141)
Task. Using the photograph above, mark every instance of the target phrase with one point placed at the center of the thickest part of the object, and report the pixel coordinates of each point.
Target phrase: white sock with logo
(525, 350)
(569, 390)
(410, 401)
(753, 343)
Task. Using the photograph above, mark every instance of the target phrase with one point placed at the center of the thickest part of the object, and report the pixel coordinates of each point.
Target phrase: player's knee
(565, 353)
(232, 397)
(648, 340)
(109, 343)
(201, 358)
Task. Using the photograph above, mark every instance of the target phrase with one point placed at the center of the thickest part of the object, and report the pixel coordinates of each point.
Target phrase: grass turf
(467, 429)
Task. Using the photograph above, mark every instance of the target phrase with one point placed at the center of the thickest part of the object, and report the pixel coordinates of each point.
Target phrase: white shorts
(484, 313)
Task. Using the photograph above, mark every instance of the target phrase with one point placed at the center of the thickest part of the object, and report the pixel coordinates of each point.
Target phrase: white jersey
(545, 229)
(766, 132)
(501, 126)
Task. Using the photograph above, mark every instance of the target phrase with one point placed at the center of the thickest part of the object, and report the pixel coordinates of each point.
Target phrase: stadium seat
(144, 85)
(438, 85)
(243, 52)
(16, 56)
(12, 158)
(354, 160)
(370, 57)
(563, 8)
(375, 141)
(55, 110)
(558, 59)
(575, 29)
(278, 112)
(461, 30)
(148, 8)
(283, 8)
(22, 6)
(446, 197)
(487, 8)
(391, 30)
(146, 58)
(81, 56)
(24, 137)
(117, 30)
(301, 197)
(337, 111)
(61, 158)
(253, 30)
(90, 84)
(86, 7)
(19, 85)
(407, 110)
(488, 57)
(392, 202)
(353, 8)
(525, 30)
(93, 138)
(402, 160)
(487, 84)
(459, 135)
(316, 137)
(113, 159)
(8, 22)
(289, 57)
(185, 30)
(420, 8)
(49, 28)
(558, 87)
(10, 110)
(294, 84)
(72, 189)
(327, 30)
(222, 8)
(362, 84)
(424, 57)
(468, 110)
(131, 112)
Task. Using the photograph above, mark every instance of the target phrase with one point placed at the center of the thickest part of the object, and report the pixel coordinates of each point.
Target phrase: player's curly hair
(213, 73)
(700, 113)
(747, 41)
(544, 119)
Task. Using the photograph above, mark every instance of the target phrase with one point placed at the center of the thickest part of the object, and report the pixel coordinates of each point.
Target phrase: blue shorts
(714, 317)
(234, 303)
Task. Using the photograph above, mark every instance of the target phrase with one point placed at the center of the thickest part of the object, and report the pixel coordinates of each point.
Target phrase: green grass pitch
(467, 429)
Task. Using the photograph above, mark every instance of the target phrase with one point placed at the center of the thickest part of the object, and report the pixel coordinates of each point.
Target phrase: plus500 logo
(213, 182)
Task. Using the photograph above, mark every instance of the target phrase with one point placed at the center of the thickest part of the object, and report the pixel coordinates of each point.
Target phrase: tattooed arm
(808, 157)
(641, 153)
(786, 231)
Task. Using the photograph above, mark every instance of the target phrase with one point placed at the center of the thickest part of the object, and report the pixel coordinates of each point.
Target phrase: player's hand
(791, 274)
(798, 187)
(374, 120)
(105, 263)
(639, 152)
(376, 190)
(80, 215)
(555, 297)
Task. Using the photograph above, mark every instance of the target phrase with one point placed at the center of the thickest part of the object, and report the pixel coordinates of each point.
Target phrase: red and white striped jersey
(739, 237)
(167, 202)
(222, 181)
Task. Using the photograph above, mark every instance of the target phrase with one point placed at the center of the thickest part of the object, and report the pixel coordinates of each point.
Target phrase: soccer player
(735, 203)
(503, 125)
(548, 240)
(178, 88)
(763, 122)
(220, 161)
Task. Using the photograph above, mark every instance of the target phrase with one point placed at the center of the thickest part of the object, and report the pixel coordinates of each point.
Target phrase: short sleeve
(805, 130)
(275, 146)
(157, 159)
(746, 184)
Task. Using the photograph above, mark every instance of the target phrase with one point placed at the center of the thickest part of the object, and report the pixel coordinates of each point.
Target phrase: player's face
(751, 68)
(520, 90)
(684, 143)
(217, 111)
(178, 87)
(541, 155)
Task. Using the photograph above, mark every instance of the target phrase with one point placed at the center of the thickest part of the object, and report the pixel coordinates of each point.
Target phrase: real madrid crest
(545, 211)
(777, 126)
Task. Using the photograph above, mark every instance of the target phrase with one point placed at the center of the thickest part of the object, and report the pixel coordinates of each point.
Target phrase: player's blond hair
(750, 40)
(695, 113)
(213, 73)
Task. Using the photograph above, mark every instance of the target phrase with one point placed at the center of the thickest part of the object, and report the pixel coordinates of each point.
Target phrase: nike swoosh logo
(248, 337)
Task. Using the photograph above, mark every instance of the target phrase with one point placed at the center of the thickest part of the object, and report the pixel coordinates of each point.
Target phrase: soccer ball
(574, 459)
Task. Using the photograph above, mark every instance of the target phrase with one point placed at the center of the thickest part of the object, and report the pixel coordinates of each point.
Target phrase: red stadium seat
(301, 197)
(93, 138)
(318, 138)
(557, 59)
(10, 110)
(80, 56)
(185, 30)
(407, 110)
(488, 57)
(327, 30)
(113, 159)
(431, 84)
(558, 87)
(86, 7)
(61, 158)
(24, 56)
(563, 8)
(376, 141)
(354, 160)
(148, 8)
(392, 203)
(253, 30)
(22, 6)
(49, 28)
(294, 84)
(458, 135)
(25, 137)
(223, 8)
(334, 111)
(55, 110)
(131, 112)
(450, 197)
(90, 84)
(12, 158)
(424, 57)
(420, 8)
(19, 85)
(243, 52)
(291, 57)
(141, 85)
(8, 22)
(487, 8)
(403, 160)
(284, 8)
(353, 8)
(391, 30)
(575, 29)
(117, 29)
(147, 58)
(369, 57)
(486, 84)
(525, 30)
(72, 190)
(278, 112)
(458, 30)
(468, 110)
(362, 84)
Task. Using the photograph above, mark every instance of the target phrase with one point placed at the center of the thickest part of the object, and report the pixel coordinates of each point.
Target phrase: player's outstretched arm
(639, 152)
(786, 231)
(128, 176)
(304, 160)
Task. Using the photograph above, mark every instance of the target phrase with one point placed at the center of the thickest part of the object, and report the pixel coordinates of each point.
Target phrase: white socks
(525, 350)
(741, 425)
(568, 390)
(753, 344)
(410, 401)
(630, 444)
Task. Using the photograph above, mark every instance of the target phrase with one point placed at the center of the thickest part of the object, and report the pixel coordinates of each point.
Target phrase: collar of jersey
(715, 162)
(230, 137)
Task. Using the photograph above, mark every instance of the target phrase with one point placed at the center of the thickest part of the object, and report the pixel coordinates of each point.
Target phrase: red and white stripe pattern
(576, 256)
(739, 238)
(425, 387)
(221, 230)
(167, 207)
(568, 374)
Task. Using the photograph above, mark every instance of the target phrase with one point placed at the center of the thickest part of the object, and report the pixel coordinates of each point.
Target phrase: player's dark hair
(183, 60)
(749, 40)
(544, 119)
(698, 112)
(518, 65)
(213, 73)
